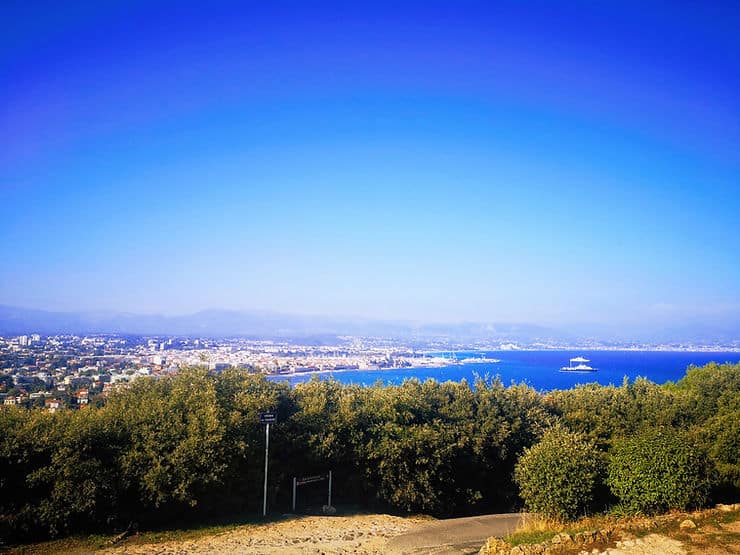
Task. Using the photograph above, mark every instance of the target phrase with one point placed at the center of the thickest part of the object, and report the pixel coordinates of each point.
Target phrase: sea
(538, 369)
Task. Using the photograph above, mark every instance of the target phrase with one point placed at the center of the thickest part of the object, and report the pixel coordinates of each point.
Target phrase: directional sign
(311, 479)
(268, 417)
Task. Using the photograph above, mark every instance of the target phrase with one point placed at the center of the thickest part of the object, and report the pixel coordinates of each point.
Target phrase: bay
(539, 369)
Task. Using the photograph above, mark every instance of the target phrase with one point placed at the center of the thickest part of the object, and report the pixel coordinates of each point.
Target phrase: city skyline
(556, 165)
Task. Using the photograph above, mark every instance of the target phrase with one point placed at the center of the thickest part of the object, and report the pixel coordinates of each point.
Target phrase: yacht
(581, 366)
(479, 360)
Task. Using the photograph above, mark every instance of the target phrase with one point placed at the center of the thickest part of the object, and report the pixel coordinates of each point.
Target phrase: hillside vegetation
(191, 446)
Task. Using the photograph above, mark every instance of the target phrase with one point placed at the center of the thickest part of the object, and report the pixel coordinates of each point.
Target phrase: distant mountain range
(266, 324)
(252, 323)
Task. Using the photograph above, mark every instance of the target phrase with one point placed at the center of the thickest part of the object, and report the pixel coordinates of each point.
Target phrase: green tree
(76, 488)
(559, 476)
(241, 397)
(604, 413)
(708, 388)
(174, 453)
(658, 470)
(507, 420)
(58, 472)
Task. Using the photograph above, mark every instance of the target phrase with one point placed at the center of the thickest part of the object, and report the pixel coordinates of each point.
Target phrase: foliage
(188, 446)
(58, 471)
(709, 387)
(720, 436)
(558, 477)
(658, 470)
(174, 450)
(607, 412)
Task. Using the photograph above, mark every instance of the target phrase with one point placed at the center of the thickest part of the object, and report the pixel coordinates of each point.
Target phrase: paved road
(454, 536)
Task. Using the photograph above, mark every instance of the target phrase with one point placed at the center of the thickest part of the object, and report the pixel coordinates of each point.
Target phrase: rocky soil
(361, 534)
(704, 532)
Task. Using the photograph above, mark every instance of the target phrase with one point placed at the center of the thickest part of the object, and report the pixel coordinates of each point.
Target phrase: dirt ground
(361, 534)
(369, 534)
(654, 544)
(718, 539)
(713, 535)
(716, 533)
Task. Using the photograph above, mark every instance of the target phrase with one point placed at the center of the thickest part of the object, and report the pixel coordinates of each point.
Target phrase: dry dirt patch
(653, 544)
(361, 534)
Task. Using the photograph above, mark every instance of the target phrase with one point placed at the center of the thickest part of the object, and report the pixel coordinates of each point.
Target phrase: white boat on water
(581, 366)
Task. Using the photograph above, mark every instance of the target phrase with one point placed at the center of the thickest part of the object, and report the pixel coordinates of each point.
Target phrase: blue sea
(540, 369)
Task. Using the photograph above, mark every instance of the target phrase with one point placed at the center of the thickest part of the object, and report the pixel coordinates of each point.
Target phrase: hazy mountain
(266, 324)
(14, 320)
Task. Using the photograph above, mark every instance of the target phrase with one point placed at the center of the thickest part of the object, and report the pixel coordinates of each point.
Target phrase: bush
(174, 454)
(558, 477)
(721, 437)
(191, 446)
(658, 470)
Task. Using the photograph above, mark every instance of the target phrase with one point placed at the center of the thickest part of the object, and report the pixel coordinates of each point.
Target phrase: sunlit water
(540, 369)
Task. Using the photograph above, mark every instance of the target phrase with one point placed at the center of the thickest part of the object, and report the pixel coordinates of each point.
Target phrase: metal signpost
(266, 418)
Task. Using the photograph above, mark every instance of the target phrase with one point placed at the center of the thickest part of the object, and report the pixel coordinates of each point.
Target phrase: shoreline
(590, 349)
(445, 363)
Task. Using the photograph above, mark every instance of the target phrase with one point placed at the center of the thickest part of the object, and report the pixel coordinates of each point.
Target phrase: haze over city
(574, 167)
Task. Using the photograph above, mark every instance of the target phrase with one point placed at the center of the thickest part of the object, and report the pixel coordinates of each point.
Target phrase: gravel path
(454, 536)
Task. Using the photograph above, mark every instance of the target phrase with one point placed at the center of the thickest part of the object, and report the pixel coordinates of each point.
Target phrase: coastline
(539, 369)
(564, 349)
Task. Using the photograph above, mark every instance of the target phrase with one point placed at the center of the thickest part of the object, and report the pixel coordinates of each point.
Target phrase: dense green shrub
(720, 436)
(559, 476)
(658, 470)
(173, 452)
(58, 472)
(187, 446)
(708, 388)
(606, 412)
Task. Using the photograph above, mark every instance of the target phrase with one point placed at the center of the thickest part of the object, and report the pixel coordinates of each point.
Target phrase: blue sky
(545, 162)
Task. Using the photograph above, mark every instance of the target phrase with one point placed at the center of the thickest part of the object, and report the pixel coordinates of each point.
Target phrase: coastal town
(72, 371)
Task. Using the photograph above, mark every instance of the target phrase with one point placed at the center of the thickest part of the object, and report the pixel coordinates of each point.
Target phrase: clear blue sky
(517, 161)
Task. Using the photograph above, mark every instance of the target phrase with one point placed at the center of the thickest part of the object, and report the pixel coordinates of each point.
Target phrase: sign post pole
(267, 448)
(329, 488)
(295, 487)
(266, 418)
